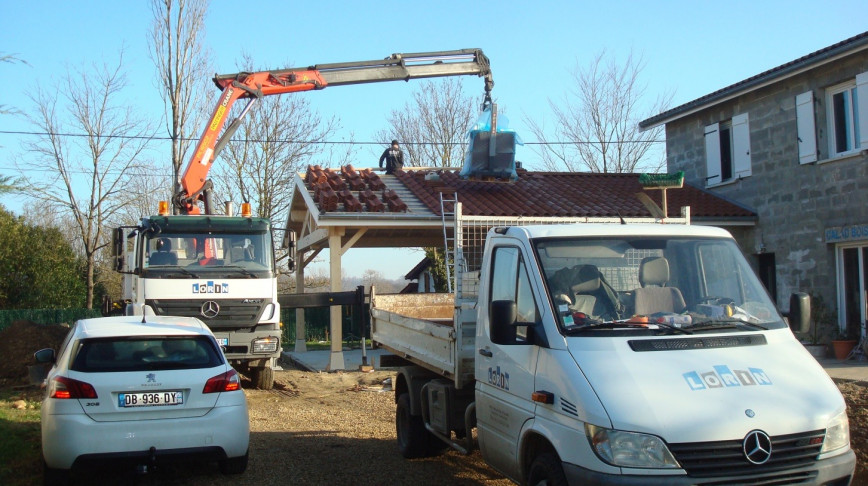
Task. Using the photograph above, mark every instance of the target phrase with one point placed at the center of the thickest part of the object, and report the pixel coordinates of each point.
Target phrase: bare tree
(87, 176)
(176, 47)
(597, 121)
(12, 59)
(433, 127)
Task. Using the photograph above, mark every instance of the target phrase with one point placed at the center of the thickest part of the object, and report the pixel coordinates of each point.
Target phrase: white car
(141, 390)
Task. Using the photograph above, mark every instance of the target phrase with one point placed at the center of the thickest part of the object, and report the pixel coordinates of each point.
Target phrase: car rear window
(150, 353)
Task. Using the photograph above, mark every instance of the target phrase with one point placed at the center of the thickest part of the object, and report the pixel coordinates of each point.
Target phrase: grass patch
(20, 446)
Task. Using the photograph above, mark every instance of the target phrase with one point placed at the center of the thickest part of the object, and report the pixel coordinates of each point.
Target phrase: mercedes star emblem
(757, 447)
(210, 309)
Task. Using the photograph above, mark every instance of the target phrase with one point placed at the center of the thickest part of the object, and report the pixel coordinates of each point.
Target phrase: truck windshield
(191, 255)
(683, 285)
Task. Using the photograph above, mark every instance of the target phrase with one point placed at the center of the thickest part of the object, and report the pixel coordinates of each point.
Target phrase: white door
(505, 365)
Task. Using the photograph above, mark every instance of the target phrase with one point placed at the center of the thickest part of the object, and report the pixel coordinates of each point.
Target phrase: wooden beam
(352, 241)
(311, 239)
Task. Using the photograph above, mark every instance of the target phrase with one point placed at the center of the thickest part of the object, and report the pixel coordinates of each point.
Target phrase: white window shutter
(712, 154)
(740, 146)
(806, 128)
(862, 108)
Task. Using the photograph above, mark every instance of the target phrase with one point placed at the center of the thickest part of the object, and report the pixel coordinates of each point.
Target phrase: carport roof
(534, 194)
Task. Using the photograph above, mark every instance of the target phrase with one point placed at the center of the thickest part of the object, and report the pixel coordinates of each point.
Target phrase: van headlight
(629, 449)
(837, 433)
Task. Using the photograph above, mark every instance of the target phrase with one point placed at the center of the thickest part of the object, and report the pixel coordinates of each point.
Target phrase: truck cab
(645, 354)
(219, 269)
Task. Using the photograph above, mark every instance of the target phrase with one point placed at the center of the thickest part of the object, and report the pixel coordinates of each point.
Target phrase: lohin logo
(210, 288)
(498, 378)
(721, 377)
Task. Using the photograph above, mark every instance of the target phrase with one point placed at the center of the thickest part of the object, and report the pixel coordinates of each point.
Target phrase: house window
(727, 150)
(842, 112)
(725, 131)
(846, 110)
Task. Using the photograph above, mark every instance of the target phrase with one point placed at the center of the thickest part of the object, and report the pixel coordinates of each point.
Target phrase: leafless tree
(596, 122)
(12, 59)
(85, 177)
(433, 127)
(177, 49)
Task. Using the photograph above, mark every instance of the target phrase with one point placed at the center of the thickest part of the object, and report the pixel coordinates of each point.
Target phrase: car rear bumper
(73, 439)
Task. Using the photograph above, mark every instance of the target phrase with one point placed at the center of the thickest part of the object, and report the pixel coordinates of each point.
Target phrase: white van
(618, 354)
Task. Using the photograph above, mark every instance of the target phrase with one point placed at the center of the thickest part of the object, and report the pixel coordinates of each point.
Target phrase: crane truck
(622, 354)
(221, 268)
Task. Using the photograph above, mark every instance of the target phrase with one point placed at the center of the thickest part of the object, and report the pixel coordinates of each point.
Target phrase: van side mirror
(800, 312)
(502, 321)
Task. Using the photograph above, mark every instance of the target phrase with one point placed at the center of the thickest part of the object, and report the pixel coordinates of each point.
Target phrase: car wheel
(54, 477)
(546, 470)
(263, 378)
(234, 465)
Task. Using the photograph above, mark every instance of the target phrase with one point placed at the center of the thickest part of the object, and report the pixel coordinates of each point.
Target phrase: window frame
(852, 124)
(737, 143)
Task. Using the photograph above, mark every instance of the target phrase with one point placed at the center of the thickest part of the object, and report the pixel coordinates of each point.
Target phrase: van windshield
(683, 285)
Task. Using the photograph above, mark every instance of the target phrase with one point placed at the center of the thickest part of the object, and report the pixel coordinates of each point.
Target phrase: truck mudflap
(833, 471)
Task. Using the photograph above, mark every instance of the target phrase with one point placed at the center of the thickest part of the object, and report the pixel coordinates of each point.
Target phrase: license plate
(150, 399)
(223, 341)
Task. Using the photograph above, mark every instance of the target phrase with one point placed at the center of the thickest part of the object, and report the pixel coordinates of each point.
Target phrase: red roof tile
(534, 194)
(566, 194)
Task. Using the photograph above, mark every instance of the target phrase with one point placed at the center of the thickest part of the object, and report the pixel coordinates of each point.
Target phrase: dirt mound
(19, 341)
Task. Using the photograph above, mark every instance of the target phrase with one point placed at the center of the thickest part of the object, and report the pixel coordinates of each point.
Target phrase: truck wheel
(546, 470)
(413, 438)
(263, 378)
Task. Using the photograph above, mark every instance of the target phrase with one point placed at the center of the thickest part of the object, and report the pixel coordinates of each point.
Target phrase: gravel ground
(323, 428)
(338, 428)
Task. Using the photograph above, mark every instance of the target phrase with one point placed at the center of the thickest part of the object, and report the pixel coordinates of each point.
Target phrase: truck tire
(546, 470)
(414, 440)
(263, 378)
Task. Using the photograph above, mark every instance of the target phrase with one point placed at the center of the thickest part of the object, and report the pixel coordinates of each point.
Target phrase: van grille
(726, 458)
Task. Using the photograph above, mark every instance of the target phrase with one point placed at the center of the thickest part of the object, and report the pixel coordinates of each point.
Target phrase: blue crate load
(491, 153)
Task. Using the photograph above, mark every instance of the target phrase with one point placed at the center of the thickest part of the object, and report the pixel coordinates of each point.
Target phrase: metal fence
(45, 316)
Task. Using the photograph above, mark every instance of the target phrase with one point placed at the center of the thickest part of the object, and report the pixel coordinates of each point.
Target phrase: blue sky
(690, 48)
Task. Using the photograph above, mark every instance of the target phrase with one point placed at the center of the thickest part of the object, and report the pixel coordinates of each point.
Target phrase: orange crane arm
(194, 184)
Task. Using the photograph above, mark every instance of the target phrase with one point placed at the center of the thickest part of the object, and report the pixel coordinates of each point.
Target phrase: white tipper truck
(638, 354)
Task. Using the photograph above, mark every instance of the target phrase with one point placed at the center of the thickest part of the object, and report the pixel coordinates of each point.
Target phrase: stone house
(790, 144)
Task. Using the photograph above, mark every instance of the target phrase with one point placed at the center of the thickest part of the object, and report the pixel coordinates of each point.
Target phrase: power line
(308, 142)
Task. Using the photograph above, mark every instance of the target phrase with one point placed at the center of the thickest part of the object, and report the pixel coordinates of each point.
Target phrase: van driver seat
(654, 296)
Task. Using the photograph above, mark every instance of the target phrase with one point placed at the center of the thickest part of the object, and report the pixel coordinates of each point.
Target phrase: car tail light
(229, 381)
(64, 388)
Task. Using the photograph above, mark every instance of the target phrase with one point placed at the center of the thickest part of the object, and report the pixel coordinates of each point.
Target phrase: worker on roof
(394, 158)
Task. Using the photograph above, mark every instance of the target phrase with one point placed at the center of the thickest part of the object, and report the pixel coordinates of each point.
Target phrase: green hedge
(45, 316)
